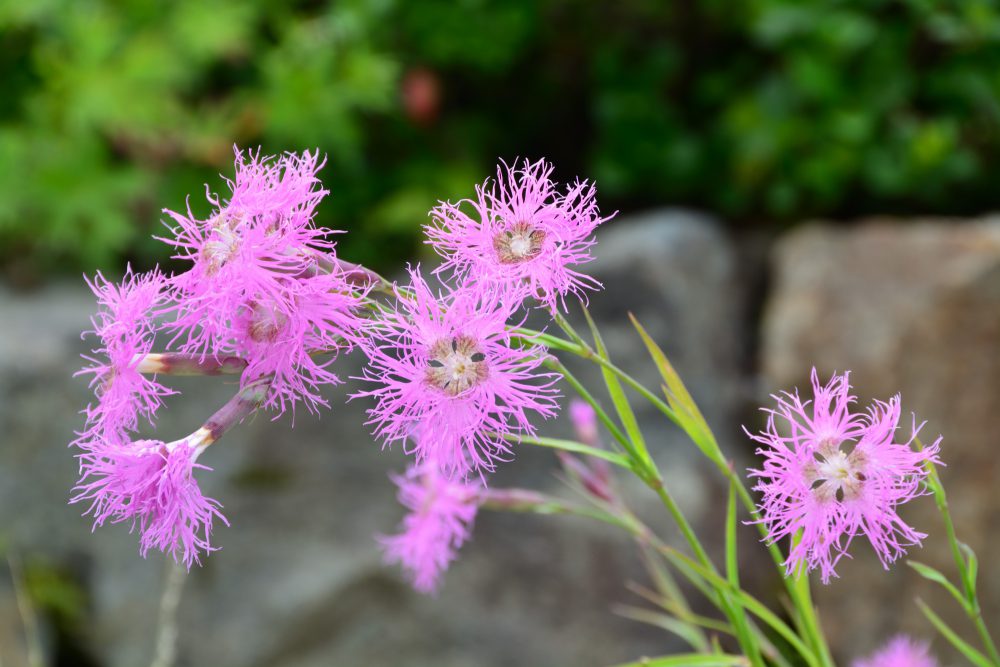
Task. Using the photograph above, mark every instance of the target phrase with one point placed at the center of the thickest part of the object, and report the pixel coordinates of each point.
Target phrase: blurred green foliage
(757, 109)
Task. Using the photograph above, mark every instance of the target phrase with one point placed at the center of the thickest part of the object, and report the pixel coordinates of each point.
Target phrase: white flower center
(519, 243)
(455, 365)
(835, 474)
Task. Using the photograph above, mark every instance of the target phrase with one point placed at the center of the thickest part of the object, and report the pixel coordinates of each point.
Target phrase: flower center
(455, 365)
(519, 243)
(835, 474)
(224, 243)
(266, 323)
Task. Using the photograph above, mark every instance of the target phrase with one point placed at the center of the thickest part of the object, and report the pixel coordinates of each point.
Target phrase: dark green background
(765, 111)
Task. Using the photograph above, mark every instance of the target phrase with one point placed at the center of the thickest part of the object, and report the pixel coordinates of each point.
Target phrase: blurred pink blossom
(441, 512)
(900, 651)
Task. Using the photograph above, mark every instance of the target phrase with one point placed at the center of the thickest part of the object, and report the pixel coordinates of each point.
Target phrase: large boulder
(913, 308)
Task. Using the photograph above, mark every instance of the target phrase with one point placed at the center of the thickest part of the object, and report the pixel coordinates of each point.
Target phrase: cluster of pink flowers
(830, 474)
(452, 376)
(266, 295)
(256, 288)
(263, 287)
(451, 383)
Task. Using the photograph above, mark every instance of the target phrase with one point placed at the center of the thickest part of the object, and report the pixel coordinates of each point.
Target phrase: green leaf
(732, 563)
(619, 399)
(683, 629)
(972, 570)
(928, 572)
(574, 447)
(692, 421)
(689, 660)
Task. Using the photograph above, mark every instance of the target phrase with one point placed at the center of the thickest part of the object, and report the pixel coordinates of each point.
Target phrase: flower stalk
(180, 363)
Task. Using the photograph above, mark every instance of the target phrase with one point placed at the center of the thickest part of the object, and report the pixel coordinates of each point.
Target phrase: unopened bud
(584, 422)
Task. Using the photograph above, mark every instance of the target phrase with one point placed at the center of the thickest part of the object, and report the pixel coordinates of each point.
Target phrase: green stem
(689, 536)
(972, 607)
(555, 364)
(807, 620)
(532, 502)
(584, 351)
(573, 447)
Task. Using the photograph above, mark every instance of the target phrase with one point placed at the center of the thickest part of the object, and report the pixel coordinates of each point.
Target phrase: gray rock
(911, 308)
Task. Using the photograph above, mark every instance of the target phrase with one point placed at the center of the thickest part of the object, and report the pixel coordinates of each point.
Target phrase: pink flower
(257, 286)
(830, 474)
(286, 337)
(126, 330)
(900, 651)
(151, 484)
(445, 364)
(251, 245)
(440, 519)
(520, 233)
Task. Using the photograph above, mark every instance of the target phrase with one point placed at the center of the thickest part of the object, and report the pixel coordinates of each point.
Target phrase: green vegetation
(758, 109)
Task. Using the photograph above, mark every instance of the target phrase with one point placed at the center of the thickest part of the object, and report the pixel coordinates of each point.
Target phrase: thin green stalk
(690, 660)
(586, 352)
(165, 650)
(29, 620)
(808, 622)
(747, 601)
(732, 609)
(972, 607)
(555, 364)
(689, 536)
(669, 597)
(573, 447)
(974, 656)
(564, 324)
(657, 402)
(532, 502)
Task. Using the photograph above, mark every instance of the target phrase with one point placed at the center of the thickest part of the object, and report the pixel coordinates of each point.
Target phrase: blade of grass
(620, 401)
(963, 647)
(689, 660)
(574, 447)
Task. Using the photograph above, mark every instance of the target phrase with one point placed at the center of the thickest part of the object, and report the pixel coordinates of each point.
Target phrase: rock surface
(911, 308)
(298, 582)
